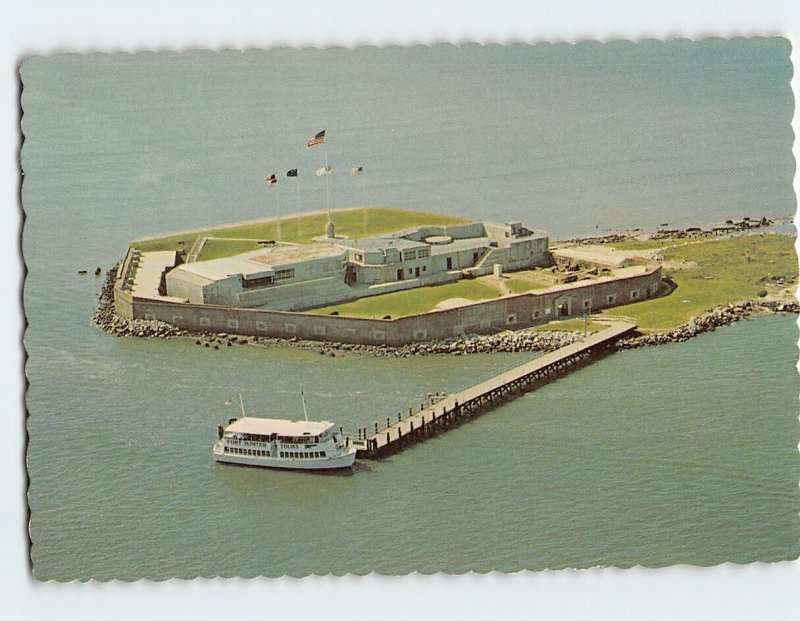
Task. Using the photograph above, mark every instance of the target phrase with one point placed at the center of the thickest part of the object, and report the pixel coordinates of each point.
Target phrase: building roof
(261, 260)
(468, 243)
(284, 254)
(282, 427)
(380, 242)
(148, 274)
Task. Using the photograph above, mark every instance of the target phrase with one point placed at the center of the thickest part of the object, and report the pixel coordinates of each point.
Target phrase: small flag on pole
(291, 173)
(272, 180)
(317, 139)
(325, 170)
(357, 170)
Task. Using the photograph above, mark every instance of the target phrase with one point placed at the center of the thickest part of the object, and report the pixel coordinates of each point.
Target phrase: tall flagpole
(329, 229)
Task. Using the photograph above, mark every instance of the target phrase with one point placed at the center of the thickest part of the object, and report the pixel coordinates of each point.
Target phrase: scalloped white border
(45, 27)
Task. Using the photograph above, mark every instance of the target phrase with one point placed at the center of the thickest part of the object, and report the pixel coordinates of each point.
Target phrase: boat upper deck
(281, 427)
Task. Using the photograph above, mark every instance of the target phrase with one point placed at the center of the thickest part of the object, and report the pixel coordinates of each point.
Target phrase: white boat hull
(323, 463)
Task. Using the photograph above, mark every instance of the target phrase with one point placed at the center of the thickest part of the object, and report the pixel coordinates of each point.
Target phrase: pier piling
(471, 402)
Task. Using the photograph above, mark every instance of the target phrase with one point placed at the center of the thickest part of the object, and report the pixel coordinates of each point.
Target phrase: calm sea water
(681, 454)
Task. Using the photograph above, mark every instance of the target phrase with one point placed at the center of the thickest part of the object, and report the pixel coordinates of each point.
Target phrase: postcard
(448, 308)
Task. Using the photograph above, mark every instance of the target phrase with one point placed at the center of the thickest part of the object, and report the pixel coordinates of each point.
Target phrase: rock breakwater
(720, 316)
(105, 318)
(528, 341)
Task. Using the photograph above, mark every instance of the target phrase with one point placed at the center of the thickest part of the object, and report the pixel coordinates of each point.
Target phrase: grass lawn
(302, 229)
(727, 270)
(528, 280)
(411, 301)
(646, 244)
(218, 248)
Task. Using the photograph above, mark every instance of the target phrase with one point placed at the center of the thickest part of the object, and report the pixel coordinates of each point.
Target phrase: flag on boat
(318, 138)
(325, 170)
(291, 173)
(357, 170)
(271, 180)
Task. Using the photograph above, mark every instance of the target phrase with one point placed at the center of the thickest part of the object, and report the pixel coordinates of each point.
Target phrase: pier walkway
(454, 409)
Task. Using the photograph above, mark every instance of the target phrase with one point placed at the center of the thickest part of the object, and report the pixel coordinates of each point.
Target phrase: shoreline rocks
(710, 321)
(467, 344)
(106, 319)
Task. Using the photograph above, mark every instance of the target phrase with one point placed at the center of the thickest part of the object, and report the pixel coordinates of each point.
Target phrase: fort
(281, 289)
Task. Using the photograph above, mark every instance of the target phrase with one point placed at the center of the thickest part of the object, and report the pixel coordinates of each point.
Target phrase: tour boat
(281, 443)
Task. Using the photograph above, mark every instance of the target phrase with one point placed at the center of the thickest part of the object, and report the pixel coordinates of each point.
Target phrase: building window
(424, 268)
(284, 274)
(511, 319)
(289, 327)
(252, 283)
(449, 263)
(612, 298)
(587, 304)
(408, 255)
(654, 288)
(205, 321)
(233, 323)
(379, 335)
(177, 318)
(423, 253)
(634, 294)
(536, 314)
(359, 257)
(261, 325)
(319, 330)
(420, 334)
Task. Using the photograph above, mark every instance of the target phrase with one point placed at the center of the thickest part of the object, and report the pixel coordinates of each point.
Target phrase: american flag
(317, 139)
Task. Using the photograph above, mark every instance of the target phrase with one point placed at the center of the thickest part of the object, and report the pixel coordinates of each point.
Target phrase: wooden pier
(457, 408)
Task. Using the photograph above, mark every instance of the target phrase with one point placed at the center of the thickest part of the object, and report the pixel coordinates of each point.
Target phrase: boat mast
(303, 398)
(241, 404)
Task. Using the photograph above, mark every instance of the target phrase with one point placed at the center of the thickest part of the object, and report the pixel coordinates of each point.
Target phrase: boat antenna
(241, 404)
(303, 398)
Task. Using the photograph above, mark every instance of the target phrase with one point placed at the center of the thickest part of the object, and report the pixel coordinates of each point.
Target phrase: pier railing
(453, 410)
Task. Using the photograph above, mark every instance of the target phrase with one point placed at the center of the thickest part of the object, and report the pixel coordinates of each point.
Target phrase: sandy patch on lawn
(453, 303)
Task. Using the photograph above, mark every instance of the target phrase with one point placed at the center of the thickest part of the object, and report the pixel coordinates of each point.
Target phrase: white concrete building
(296, 277)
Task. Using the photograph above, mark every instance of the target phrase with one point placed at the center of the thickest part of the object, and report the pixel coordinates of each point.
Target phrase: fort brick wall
(508, 312)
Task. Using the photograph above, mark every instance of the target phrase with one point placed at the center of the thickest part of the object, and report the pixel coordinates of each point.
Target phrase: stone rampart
(508, 312)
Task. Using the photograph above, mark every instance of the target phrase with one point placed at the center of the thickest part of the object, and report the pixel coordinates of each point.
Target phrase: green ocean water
(679, 454)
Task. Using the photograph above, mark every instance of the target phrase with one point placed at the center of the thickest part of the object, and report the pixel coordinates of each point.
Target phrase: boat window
(324, 453)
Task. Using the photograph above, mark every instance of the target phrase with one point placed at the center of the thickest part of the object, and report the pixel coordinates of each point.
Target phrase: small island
(405, 282)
